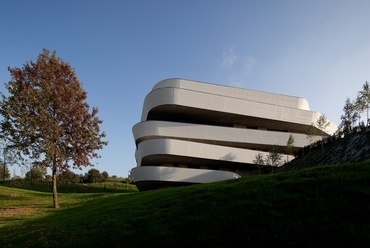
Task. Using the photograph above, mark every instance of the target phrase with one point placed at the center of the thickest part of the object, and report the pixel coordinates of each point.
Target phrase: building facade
(194, 132)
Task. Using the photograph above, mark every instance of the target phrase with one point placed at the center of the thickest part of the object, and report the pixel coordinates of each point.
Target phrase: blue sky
(319, 50)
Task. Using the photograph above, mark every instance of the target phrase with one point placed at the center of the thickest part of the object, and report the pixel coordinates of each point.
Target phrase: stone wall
(353, 147)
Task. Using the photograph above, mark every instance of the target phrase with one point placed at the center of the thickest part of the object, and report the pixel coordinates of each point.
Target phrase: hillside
(323, 206)
(354, 147)
(306, 204)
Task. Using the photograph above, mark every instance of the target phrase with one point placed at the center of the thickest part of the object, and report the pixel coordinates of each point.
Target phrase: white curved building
(194, 132)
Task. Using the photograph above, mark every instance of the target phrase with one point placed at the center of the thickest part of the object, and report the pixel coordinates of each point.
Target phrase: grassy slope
(322, 206)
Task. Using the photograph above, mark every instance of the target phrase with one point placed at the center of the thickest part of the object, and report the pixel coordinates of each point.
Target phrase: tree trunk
(55, 193)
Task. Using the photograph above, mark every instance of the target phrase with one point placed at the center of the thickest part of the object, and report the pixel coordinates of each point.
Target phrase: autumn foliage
(47, 118)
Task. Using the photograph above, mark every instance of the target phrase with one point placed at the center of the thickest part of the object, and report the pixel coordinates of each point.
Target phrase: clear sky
(319, 50)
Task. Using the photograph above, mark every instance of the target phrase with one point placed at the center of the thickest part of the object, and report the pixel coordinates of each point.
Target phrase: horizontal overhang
(184, 175)
(223, 136)
(157, 151)
(182, 103)
(234, 92)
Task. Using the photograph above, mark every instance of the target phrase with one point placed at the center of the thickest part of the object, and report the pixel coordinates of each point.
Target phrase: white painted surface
(172, 174)
(163, 140)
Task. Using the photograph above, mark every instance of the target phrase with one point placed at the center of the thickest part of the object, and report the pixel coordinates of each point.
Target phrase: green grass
(323, 206)
(63, 187)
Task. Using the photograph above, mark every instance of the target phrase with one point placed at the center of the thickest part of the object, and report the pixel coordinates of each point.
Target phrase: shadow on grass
(67, 226)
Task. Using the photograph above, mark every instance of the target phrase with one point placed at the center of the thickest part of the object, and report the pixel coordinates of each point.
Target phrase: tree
(4, 172)
(348, 118)
(363, 100)
(104, 176)
(36, 173)
(4, 159)
(94, 176)
(69, 176)
(322, 123)
(7, 156)
(47, 117)
(311, 132)
(273, 158)
(258, 159)
(359, 107)
(289, 146)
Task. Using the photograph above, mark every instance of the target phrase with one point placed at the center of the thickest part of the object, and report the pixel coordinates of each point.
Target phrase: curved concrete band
(193, 128)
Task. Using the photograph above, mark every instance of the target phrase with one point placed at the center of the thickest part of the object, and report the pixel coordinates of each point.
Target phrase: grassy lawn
(19, 205)
(323, 206)
(63, 187)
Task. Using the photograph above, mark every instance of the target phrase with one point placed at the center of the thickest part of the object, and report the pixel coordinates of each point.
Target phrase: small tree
(4, 172)
(311, 132)
(258, 160)
(104, 176)
(94, 176)
(322, 123)
(349, 117)
(7, 155)
(4, 168)
(359, 107)
(273, 158)
(289, 147)
(363, 100)
(47, 117)
(35, 174)
(68, 176)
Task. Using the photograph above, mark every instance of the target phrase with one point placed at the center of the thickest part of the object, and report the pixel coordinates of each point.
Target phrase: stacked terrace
(194, 132)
